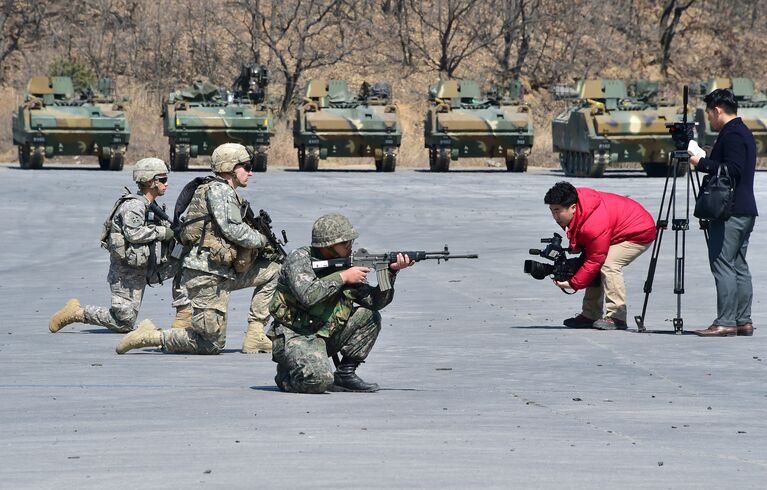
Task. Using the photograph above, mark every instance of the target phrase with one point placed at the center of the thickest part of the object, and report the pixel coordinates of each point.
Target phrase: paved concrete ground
(482, 386)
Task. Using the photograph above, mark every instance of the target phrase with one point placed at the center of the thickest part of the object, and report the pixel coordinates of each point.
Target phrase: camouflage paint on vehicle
(56, 120)
(752, 109)
(332, 122)
(606, 125)
(202, 116)
(463, 123)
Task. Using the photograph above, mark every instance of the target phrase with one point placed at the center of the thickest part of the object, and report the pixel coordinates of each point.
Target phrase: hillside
(151, 48)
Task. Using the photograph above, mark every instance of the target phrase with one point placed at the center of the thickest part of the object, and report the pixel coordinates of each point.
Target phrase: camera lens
(538, 270)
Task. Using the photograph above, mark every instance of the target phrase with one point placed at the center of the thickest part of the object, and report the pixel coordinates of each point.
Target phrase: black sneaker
(579, 321)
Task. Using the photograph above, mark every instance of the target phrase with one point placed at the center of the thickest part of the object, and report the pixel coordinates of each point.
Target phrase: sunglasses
(248, 167)
(162, 180)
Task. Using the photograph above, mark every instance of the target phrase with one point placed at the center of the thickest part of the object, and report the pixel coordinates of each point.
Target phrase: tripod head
(682, 132)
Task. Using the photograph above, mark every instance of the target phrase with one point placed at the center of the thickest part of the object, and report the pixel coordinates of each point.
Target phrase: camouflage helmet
(331, 229)
(227, 156)
(147, 169)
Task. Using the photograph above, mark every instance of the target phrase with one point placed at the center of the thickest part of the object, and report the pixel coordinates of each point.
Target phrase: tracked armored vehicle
(605, 126)
(202, 116)
(332, 122)
(752, 109)
(463, 123)
(55, 120)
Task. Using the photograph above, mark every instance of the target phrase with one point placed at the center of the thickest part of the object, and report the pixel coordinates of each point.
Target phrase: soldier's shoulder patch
(135, 219)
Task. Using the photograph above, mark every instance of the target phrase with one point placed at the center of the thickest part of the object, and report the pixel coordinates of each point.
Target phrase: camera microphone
(535, 251)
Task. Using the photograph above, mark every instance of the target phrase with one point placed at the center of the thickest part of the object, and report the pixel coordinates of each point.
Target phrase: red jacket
(602, 219)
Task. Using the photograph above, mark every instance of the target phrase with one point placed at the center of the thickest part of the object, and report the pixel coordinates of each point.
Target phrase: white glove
(694, 150)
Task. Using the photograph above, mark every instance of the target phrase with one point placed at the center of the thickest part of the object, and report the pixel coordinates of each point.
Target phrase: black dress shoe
(717, 331)
(746, 330)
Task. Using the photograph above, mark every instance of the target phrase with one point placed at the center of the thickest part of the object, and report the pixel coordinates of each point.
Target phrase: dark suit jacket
(735, 146)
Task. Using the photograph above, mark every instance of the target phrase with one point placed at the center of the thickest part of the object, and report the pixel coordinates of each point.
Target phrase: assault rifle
(275, 250)
(156, 215)
(380, 262)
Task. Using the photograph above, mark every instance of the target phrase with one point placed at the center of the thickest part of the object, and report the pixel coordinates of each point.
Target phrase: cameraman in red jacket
(612, 230)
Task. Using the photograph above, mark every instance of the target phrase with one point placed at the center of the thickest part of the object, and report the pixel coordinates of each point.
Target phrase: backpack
(184, 198)
(107, 228)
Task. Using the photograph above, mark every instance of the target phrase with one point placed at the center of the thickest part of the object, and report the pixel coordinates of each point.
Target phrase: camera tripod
(679, 160)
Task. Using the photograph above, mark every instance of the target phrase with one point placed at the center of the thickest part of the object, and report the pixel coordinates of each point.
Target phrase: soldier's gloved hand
(167, 234)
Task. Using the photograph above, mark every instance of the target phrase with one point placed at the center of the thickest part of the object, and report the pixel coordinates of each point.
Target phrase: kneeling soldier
(131, 232)
(215, 234)
(321, 312)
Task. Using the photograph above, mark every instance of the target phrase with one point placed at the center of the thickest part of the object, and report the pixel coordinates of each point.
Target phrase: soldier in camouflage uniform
(321, 312)
(215, 235)
(130, 231)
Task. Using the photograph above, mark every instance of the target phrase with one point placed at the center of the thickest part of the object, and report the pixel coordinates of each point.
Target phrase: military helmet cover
(331, 229)
(147, 169)
(227, 156)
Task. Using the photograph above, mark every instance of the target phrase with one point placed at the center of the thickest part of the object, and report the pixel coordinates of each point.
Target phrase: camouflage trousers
(209, 294)
(127, 285)
(302, 360)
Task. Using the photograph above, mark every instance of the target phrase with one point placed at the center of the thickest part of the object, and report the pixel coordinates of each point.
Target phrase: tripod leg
(639, 319)
(680, 226)
(660, 226)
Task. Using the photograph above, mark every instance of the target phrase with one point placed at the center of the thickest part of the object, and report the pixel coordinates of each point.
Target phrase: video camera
(682, 132)
(562, 269)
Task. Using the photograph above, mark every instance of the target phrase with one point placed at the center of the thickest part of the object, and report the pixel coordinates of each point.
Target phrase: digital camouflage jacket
(310, 301)
(224, 206)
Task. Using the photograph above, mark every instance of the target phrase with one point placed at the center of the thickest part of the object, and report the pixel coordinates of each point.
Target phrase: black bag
(716, 197)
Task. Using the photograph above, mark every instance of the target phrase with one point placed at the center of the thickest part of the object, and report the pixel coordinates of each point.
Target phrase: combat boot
(183, 317)
(255, 341)
(146, 335)
(282, 379)
(71, 313)
(345, 378)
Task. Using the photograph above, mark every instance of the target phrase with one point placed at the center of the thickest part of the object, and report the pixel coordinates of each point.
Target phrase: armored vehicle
(202, 116)
(332, 122)
(752, 109)
(56, 120)
(605, 125)
(463, 123)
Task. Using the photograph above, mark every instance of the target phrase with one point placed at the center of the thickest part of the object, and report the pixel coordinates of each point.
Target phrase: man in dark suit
(728, 240)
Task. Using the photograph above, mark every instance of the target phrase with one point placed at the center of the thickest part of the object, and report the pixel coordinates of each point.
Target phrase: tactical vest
(322, 319)
(200, 229)
(112, 238)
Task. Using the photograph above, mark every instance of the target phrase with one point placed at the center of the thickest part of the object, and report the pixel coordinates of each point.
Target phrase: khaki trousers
(611, 293)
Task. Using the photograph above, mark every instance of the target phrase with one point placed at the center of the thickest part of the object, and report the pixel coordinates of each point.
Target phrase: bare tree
(667, 27)
(247, 34)
(448, 32)
(19, 19)
(511, 49)
(398, 13)
(560, 45)
(310, 34)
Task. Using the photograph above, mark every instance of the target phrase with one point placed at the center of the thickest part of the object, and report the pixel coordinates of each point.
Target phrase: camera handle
(678, 159)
